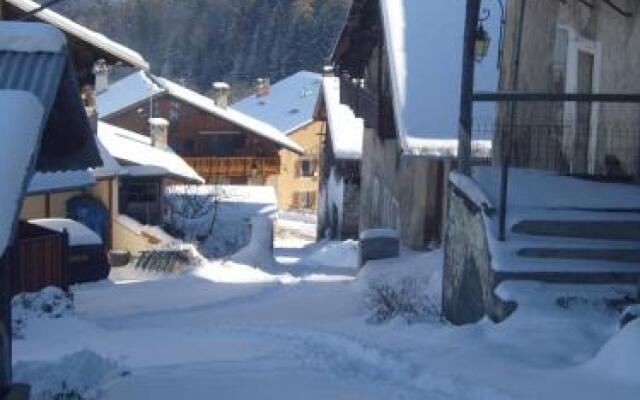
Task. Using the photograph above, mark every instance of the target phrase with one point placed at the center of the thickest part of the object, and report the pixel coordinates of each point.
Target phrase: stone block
(378, 244)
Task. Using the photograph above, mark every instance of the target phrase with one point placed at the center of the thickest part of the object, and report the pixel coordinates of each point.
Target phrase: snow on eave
(73, 28)
(52, 182)
(445, 148)
(343, 124)
(31, 37)
(425, 93)
(133, 148)
(21, 124)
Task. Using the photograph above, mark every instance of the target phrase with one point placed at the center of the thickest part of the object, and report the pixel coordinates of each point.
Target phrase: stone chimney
(263, 87)
(221, 92)
(101, 74)
(159, 133)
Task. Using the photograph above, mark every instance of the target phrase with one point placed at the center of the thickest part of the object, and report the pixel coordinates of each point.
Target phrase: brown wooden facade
(219, 150)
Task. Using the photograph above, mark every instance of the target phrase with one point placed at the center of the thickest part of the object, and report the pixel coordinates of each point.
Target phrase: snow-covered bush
(50, 302)
(409, 299)
(77, 376)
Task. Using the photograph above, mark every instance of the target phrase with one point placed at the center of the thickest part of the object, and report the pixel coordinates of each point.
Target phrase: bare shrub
(408, 299)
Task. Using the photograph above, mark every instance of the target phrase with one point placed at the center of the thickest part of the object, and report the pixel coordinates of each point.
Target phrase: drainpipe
(506, 157)
(466, 95)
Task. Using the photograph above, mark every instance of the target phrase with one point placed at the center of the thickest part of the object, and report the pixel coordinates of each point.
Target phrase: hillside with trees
(202, 41)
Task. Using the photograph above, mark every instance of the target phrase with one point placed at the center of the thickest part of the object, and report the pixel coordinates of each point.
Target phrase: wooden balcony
(212, 167)
(362, 101)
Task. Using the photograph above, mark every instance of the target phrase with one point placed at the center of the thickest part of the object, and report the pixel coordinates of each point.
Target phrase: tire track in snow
(353, 359)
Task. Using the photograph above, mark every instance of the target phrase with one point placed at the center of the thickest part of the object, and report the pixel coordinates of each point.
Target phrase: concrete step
(584, 229)
(603, 254)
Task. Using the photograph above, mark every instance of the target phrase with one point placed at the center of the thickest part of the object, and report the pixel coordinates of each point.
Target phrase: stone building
(289, 105)
(339, 192)
(400, 71)
(572, 46)
(223, 145)
(561, 218)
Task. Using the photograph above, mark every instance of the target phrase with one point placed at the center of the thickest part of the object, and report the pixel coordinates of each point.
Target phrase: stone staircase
(566, 246)
(562, 232)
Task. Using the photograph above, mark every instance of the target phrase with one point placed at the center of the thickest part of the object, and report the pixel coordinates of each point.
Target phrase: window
(307, 167)
(221, 143)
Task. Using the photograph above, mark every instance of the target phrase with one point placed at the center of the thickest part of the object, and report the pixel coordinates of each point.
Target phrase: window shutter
(312, 199)
(298, 166)
(296, 200)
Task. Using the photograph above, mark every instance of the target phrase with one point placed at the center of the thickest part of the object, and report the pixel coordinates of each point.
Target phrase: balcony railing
(212, 167)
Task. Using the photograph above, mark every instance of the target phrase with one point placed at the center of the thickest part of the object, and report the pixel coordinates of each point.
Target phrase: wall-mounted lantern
(483, 40)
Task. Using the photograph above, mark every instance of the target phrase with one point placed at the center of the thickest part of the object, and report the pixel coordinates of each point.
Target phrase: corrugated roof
(68, 142)
(36, 72)
(83, 33)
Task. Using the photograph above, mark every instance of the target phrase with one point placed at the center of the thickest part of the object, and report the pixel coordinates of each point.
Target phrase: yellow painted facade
(295, 190)
(36, 206)
(132, 237)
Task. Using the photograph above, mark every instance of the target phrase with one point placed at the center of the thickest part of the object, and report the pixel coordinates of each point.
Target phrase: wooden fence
(38, 258)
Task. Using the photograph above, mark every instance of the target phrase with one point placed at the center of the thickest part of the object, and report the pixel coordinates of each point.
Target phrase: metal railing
(606, 152)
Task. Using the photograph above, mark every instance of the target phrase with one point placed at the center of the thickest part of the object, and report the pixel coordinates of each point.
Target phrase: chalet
(339, 200)
(223, 145)
(289, 106)
(400, 72)
(559, 206)
(44, 128)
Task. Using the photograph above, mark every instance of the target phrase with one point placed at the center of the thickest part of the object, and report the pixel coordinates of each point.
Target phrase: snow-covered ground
(302, 329)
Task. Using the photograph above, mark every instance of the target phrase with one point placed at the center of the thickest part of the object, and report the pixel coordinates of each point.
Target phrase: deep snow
(299, 330)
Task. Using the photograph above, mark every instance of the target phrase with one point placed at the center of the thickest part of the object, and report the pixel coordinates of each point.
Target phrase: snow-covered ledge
(471, 189)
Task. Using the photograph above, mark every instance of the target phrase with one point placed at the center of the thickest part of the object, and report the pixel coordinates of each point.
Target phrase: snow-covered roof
(79, 235)
(110, 167)
(140, 86)
(289, 105)
(32, 38)
(126, 92)
(145, 159)
(425, 39)
(73, 28)
(21, 119)
(43, 182)
(345, 128)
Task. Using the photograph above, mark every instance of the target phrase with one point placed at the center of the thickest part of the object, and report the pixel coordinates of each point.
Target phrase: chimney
(101, 74)
(327, 71)
(221, 92)
(263, 87)
(159, 133)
